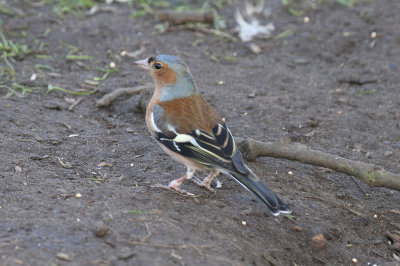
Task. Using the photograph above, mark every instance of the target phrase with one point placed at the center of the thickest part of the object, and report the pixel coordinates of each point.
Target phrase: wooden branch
(373, 175)
(181, 17)
(110, 97)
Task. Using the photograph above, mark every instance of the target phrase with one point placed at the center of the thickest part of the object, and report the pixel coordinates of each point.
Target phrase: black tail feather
(252, 183)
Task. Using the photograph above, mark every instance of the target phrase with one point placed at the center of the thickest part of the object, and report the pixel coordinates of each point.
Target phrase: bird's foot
(175, 185)
(205, 184)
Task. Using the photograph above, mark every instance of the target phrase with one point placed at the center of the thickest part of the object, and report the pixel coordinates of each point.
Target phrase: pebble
(62, 192)
(100, 229)
(244, 222)
(388, 153)
(251, 95)
(290, 173)
(17, 169)
(63, 256)
(125, 253)
(306, 19)
(78, 195)
(255, 48)
(354, 260)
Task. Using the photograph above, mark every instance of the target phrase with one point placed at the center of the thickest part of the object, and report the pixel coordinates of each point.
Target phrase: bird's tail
(252, 183)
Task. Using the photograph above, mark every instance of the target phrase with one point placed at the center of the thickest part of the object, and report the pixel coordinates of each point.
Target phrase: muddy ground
(67, 175)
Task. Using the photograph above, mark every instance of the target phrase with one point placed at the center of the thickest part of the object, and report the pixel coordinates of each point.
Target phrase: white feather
(153, 123)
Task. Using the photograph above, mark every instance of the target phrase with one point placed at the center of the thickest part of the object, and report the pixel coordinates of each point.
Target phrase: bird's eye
(157, 66)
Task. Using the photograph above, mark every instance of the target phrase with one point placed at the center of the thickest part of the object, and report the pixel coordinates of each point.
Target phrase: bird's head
(170, 74)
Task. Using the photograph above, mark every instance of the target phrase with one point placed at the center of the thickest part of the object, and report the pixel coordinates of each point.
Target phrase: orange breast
(190, 113)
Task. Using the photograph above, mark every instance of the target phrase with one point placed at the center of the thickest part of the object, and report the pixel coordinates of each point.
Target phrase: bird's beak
(142, 64)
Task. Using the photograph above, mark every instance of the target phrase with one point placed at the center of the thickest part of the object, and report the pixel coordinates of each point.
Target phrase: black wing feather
(211, 150)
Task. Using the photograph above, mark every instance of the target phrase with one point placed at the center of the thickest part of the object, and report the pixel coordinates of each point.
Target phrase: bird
(189, 130)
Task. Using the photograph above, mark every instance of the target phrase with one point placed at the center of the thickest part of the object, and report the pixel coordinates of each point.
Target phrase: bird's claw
(203, 184)
(176, 189)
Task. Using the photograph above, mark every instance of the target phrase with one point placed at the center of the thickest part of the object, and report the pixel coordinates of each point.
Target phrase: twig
(180, 17)
(138, 243)
(144, 239)
(108, 98)
(373, 175)
(72, 106)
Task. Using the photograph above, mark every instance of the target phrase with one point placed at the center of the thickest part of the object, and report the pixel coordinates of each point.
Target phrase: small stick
(180, 17)
(72, 106)
(110, 97)
(149, 234)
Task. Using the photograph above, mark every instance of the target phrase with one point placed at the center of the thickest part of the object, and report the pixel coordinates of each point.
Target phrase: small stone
(62, 192)
(125, 253)
(254, 48)
(339, 91)
(221, 82)
(375, 216)
(100, 229)
(373, 35)
(17, 169)
(388, 153)
(130, 130)
(354, 260)
(306, 19)
(78, 195)
(251, 95)
(33, 77)
(112, 65)
(63, 256)
(244, 223)
(290, 173)
(123, 53)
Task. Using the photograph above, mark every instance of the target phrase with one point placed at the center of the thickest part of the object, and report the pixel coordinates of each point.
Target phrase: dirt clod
(100, 229)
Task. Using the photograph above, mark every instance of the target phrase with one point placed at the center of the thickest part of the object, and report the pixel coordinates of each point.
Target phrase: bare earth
(328, 85)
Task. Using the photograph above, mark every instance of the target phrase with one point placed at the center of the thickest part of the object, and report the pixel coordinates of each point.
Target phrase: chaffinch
(191, 132)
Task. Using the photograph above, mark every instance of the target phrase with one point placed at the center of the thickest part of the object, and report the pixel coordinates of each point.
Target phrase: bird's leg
(207, 181)
(177, 183)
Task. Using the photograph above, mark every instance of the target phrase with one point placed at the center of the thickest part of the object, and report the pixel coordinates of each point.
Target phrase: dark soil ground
(327, 85)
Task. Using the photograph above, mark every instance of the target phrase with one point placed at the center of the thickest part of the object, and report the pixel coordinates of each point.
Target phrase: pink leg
(207, 181)
(176, 184)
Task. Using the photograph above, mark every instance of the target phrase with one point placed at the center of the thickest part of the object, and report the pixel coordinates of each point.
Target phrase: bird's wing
(213, 148)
